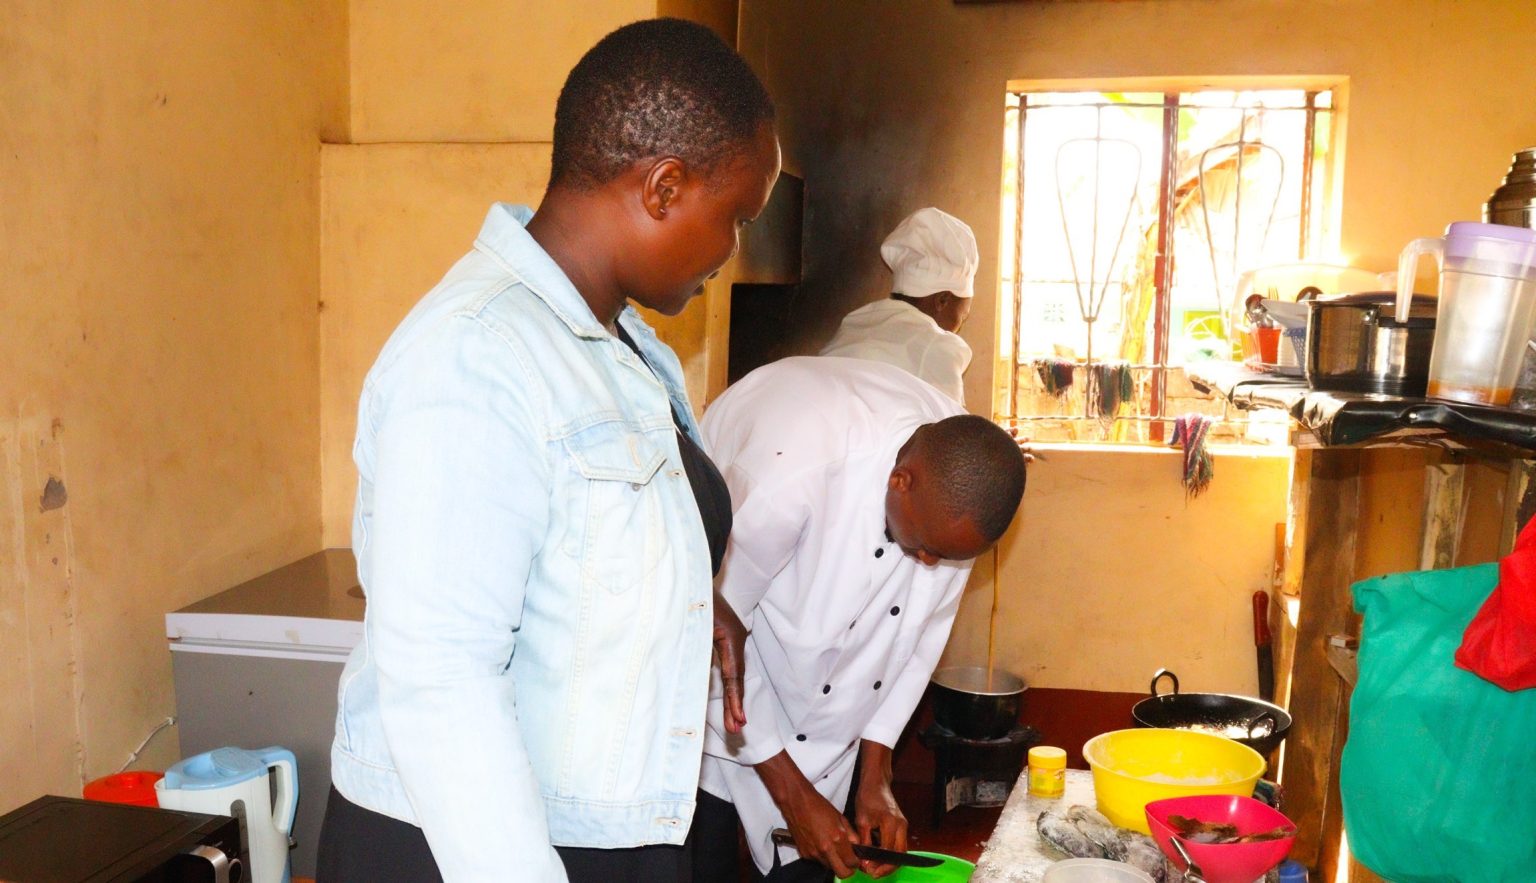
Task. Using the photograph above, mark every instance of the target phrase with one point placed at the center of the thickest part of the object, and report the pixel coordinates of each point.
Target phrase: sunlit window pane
(1091, 191)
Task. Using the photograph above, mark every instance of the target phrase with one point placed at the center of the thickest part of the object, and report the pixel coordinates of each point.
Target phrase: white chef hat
(929, 252)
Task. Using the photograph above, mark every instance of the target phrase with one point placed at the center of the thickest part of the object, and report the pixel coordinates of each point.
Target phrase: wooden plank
(1519, 503)
(1485, 509)
(1290, 585)
(1326, 551)
(1444, 514)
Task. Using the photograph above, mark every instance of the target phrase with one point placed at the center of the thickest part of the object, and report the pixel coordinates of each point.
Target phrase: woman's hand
(730, 656)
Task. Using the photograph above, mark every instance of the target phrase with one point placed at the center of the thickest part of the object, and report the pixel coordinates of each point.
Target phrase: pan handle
(1261, 717)
(1165, 673)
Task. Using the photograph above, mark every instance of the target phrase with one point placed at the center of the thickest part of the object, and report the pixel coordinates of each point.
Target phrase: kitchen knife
(871, 853)
(1264, 646)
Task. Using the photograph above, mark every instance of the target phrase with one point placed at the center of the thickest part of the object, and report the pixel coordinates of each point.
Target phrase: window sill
(1067, 449)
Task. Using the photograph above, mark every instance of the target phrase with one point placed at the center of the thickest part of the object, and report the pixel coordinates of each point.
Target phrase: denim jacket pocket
(622, 533)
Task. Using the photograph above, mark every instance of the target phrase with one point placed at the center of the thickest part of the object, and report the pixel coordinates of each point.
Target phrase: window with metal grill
(1128, 219)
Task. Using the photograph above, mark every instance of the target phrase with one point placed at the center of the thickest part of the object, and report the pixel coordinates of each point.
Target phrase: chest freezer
(258, 664)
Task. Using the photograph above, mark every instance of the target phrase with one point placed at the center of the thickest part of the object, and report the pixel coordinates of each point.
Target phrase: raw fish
(1100, 830)
(1065, 836)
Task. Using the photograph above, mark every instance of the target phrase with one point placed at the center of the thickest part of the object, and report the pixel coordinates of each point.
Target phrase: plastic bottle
(1292, 872)
(1047, 771)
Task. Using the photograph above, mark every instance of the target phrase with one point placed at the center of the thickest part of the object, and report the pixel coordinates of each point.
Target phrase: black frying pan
(1258, 724)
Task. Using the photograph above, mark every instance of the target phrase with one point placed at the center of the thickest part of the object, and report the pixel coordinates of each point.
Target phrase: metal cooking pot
(1356, 344)
(1258, 724)
(973, 703)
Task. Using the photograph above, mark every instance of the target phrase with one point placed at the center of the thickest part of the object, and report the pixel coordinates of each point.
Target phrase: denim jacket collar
(505, 239)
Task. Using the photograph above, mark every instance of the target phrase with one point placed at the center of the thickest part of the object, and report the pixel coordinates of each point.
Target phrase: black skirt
(358, 845)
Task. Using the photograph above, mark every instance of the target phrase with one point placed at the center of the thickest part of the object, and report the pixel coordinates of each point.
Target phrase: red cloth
(1499, 644)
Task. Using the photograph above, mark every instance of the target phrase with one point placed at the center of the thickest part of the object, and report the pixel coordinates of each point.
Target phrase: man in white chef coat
(933, 259)
(861, 494)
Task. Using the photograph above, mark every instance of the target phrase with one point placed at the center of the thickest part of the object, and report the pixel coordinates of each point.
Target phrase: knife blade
(871, 853)
(1264, 646)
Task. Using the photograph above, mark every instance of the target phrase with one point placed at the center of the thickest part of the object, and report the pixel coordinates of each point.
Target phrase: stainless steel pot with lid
(1356, 344)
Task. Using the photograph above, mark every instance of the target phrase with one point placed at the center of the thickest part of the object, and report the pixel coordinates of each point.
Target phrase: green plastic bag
(1438, 775)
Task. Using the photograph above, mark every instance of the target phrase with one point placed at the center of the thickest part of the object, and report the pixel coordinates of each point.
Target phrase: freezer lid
(310, 607)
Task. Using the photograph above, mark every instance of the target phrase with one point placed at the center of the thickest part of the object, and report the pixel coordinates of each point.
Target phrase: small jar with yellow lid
(1047, 771)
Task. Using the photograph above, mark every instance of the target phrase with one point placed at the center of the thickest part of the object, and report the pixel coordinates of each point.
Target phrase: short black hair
(979, 468)
(653, 88)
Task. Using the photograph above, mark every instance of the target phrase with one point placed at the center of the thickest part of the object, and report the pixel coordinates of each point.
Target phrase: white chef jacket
(845, 628)
(900, 334)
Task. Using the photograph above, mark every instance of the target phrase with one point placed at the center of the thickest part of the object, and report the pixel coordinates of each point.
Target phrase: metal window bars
(1090, 297)
(1239, 151)
(1235, 157)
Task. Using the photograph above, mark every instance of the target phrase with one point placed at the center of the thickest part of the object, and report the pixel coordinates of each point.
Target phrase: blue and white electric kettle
(236, 782)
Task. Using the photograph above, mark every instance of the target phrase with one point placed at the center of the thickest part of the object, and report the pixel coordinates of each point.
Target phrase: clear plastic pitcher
(1487, 305)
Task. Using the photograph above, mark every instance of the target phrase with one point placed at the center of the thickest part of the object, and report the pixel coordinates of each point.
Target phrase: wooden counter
(1410, 497)
(1014, 853)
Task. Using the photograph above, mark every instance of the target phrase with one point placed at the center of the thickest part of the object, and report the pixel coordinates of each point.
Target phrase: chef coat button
(895, 610)
(877, 685)
(825, 689)
(800, 737)
(879, 552)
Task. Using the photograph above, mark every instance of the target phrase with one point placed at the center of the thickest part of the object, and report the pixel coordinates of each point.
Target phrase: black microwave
(66, 840)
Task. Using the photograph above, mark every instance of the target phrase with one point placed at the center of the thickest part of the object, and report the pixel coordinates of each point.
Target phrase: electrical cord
(170, 720)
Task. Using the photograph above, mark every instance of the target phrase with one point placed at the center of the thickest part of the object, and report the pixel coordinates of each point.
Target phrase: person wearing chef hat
(861, 494)
(933, 259)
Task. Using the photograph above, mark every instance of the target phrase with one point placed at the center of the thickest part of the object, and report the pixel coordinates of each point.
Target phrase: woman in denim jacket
(535, 523)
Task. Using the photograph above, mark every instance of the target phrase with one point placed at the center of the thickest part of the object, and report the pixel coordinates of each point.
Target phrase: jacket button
(879, 552)
(877, 685)
(895, 610)
(800, 737)
(825, 689)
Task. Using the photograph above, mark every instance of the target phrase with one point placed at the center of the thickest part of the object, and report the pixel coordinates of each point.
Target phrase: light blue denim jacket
(536, 656)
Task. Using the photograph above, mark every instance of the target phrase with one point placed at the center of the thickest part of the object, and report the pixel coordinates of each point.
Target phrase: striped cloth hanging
(1191, 431)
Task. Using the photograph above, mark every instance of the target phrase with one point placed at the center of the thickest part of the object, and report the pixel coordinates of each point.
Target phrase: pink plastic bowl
(1223, 862)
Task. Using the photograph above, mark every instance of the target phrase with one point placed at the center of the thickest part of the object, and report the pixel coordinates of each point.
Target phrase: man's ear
(900, 480)
(663, 186)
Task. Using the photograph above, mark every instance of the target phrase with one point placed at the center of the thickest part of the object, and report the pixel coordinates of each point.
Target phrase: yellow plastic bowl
(1132, 768)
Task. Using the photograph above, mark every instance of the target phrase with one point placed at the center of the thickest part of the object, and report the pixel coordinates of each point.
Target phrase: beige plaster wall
(158, 282)
(889, 105)
(487, 71)
(1111, 573)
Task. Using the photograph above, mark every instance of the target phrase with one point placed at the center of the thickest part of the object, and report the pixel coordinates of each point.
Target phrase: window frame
(1006, 396)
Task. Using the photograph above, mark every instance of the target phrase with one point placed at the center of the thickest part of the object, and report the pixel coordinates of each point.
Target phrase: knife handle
(782, 837)
(1261, 635)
